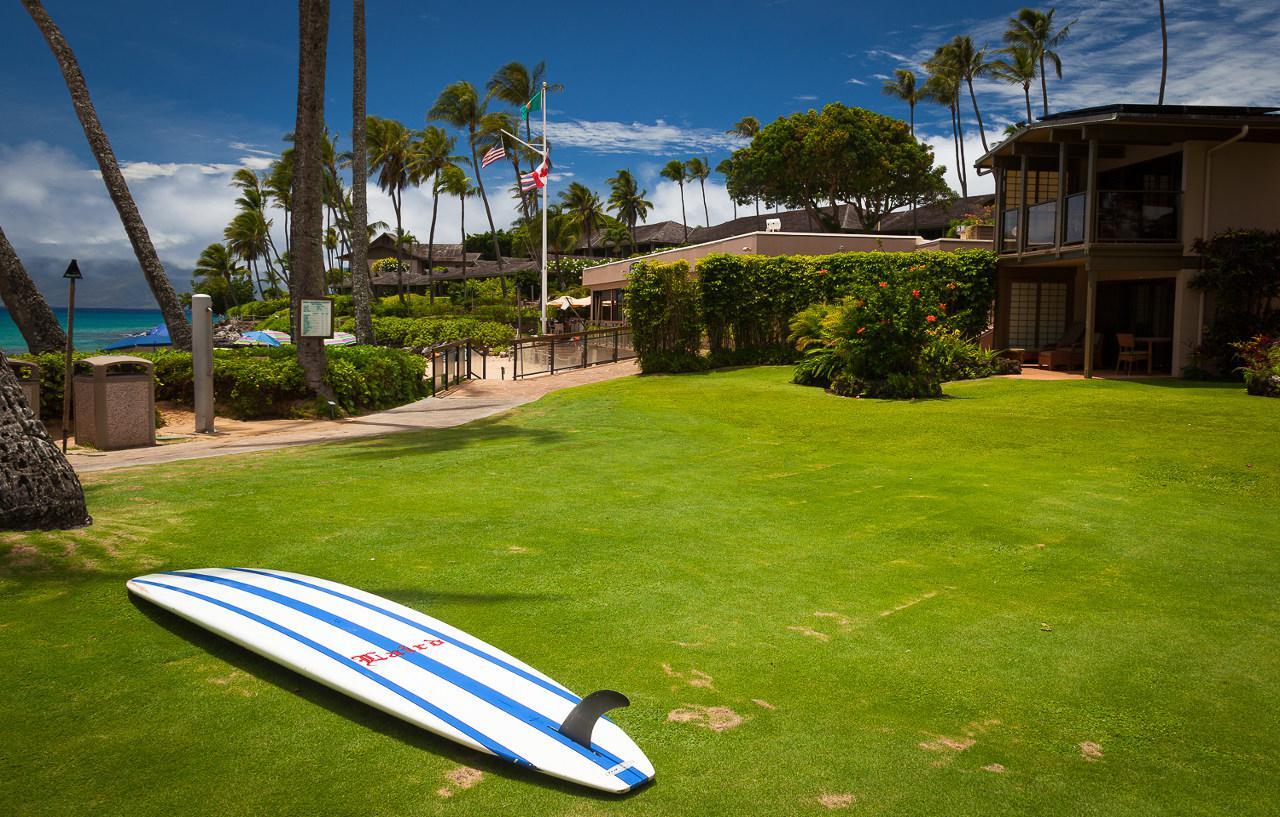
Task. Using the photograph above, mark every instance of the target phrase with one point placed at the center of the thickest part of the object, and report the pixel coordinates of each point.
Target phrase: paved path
(471, 401)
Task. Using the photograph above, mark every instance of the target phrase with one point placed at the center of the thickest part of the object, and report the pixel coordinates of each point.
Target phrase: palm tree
(460, 106)
(725, 168)
(434, 154)
(971, 62)
(453, 181)
(616, 237)
(515, 84)
(306, 254)
(627, 200)
(246, 237)
(38, 488)
(218, 263)
(1018, 68)
(696, 168)
(361, 287)
(166, 298)
(903, 86)
(583, 206)
(943, 88)
(674, 171)
(746, 127)
(277, 184)
(1035, 30)
(390, 156)
(563, 233)
(29, 310)
(1164, 53)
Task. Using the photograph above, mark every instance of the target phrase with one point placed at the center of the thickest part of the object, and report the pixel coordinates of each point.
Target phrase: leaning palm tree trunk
(38, 488)
(28, 309)
(431, 247)
(361, 291)
(978, 115)
(1164, 53)
(964, 172)
(308, 183)
(152, 269)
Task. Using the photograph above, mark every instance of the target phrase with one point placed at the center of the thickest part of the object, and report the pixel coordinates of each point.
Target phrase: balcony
(1073, 229)
(1123, 216)
(1041, 222)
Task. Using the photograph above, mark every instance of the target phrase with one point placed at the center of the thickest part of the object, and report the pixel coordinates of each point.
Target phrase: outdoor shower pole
(202, 360)
(72, 275)
(546, 158)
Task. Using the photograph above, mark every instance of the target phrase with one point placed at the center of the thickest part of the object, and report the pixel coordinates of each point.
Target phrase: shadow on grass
(487, 431)
(355, 711)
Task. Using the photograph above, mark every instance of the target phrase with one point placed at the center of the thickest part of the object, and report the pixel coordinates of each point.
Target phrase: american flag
(494, 154)
(538, 178)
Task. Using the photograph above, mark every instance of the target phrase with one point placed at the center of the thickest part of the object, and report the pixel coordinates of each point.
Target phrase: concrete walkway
(471, 401)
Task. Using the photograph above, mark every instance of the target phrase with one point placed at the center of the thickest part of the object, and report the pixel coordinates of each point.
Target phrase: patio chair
(1066, 351)
(1130, 354)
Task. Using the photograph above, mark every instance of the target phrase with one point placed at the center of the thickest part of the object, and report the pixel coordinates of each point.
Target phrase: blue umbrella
(257, 338)
(155, 336)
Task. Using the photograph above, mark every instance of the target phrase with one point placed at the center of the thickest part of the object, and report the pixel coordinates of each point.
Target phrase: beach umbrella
(260, 338)
(280, 337)
(340, 339)
(155, 336)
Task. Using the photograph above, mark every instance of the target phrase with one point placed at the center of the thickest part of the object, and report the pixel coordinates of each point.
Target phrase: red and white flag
(494, 154)
(538, 178)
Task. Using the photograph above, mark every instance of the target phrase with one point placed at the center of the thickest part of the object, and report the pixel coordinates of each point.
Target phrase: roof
(661, 232)
(793, 221)
(937, 216)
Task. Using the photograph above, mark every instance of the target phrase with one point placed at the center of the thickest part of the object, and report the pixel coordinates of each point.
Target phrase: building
(1097, 213)
(446, 259)
(608, 281)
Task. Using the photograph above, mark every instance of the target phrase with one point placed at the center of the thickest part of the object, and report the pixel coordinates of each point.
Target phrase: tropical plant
(747, 127)
(515, 84)
(453, 181)
(616, 237)
(563, 234)
(675, 171)
(903, 86)
(1037, 31)
(27, 307)
(628, 202)
(460, 106)
(583, 206)
(433, 156)
(118, 189)
(390, 152)
(217, 275)
(725, 168)
(699, 169)
(943, 87)
(971, 62)
(1018, 66)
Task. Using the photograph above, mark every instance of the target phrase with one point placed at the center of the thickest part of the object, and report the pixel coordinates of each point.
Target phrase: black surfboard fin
(580, 723)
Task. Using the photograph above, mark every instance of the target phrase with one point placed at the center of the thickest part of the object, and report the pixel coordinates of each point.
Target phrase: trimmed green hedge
(665, 313)
(262, 383)
(423, 332)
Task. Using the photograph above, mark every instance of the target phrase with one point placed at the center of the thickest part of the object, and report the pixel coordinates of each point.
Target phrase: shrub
(1261, 368)
(1242, 274)
(665, 314)
(426, 332)
(258, 309)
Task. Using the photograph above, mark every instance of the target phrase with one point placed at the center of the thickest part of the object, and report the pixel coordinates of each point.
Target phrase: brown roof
(793, 221)
(670, 233)
(934, 217)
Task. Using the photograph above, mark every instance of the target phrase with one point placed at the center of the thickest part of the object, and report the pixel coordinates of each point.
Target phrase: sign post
(72, 275)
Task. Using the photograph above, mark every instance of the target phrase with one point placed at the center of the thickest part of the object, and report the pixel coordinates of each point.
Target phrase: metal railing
(457, 362)
(1042, 223)
(549, 354)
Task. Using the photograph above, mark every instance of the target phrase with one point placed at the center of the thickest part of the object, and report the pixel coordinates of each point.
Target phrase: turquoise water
(94, 327)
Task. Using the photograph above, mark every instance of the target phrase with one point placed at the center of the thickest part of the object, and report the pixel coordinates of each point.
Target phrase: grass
(893, 597)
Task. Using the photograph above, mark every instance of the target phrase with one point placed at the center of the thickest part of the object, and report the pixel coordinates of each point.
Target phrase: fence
(453, 363)
(548, 354)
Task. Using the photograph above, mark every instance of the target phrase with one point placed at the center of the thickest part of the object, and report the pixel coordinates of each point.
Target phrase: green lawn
(892, 598)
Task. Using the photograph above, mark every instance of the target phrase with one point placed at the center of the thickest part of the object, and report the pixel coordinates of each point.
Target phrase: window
(1037, 313)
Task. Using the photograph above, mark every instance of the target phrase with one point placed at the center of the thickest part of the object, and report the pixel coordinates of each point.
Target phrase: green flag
(532, 105)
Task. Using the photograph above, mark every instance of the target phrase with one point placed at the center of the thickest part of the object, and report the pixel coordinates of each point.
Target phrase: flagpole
(546, 157)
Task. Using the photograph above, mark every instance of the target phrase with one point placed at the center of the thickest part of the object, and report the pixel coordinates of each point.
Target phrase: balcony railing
(1124, 216)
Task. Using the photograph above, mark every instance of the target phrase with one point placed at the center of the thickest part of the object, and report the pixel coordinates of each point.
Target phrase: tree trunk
(308, 182)
(1044, 87)
(395, 203)
(38, 488)
(1026, 92)
(1164, 53)
(978, 115)
(484, 199)
(431, 245)
(964, 170)
(705, 212)
(361, 291)
(462, 226)
(152, 269)
(28, 309)
(683, 218)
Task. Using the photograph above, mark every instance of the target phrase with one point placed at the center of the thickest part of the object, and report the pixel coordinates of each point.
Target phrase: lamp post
(72, 275)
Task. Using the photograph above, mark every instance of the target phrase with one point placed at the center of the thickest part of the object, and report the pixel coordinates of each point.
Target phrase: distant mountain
(115, 283)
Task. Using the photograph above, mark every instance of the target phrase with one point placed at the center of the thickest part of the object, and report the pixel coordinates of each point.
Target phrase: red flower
(884, 283)
(861, 329)
(915, 293)
(943, 307)
(822, 272)
(930, 318)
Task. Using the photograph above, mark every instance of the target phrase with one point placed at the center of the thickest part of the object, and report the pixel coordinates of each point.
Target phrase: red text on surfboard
(370, 658)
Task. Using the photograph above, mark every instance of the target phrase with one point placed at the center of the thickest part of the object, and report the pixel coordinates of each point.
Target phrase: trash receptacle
(115, 402)
(28, 374)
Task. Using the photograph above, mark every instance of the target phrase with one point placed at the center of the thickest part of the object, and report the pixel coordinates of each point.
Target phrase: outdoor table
(1151, 342)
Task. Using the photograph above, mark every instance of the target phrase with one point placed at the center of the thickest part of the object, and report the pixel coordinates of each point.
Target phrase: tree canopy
(817, 160)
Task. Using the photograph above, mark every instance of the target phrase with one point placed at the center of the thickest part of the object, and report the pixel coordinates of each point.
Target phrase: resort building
(1097, 213)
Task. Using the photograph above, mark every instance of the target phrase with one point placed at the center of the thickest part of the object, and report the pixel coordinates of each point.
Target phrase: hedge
(261, 383)
(665, 313)
(419, 333)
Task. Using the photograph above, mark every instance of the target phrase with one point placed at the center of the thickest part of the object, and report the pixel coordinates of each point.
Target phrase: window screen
(1037, 313)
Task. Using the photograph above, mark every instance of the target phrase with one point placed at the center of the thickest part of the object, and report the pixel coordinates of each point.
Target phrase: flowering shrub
(1261, 369)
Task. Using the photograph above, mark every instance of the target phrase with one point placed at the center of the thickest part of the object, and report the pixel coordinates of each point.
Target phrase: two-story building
(1097, 213)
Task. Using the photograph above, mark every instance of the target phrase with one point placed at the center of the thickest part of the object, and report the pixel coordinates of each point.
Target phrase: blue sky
(188, 92)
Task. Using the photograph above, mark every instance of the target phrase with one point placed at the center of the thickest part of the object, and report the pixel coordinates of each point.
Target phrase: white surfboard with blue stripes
(410, 665)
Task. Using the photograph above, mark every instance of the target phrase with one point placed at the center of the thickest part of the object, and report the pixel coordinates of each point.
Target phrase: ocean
(94, 327)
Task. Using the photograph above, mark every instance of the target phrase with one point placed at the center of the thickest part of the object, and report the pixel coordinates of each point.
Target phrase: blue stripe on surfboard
(476, 651)
(484, 740)
(598, 755)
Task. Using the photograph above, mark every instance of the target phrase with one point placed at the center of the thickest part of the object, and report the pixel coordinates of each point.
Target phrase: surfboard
(410, 665)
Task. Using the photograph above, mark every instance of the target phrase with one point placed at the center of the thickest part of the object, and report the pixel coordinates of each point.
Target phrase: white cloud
(805, 98)
(944, 153)
(666, 204)
(856, 81)
(637, 137)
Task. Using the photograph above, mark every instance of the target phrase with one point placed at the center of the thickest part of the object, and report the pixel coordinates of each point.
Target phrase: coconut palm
(515, 84)
(628, 202)
(390, 152)
(277, 184)
(971, 62)
(674, 171)
(1164, 53)
(453, 181)
(1035, 30)
(361, 285)
(246, 237)
(29, 310)
(218, 263)
(616, 237)
(903, 86)
(1017, 67)
(696, 168)
(583, 206)
(725, 168)
(152, 270)
(747, 127)
(433, 153)
(943, 87)
(563, 234)
(460, 106)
